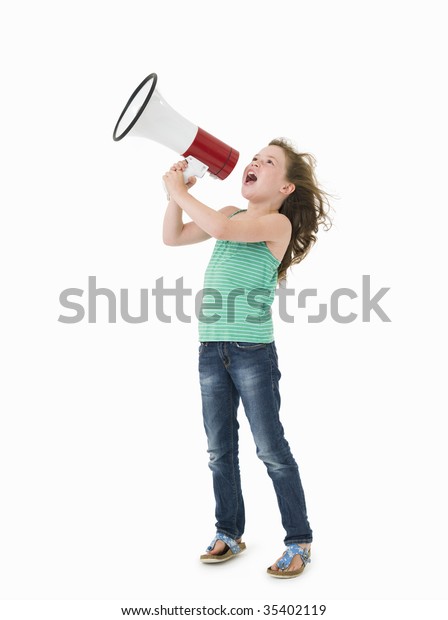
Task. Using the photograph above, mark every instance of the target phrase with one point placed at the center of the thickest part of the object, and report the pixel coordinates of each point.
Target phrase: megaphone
(148, 115)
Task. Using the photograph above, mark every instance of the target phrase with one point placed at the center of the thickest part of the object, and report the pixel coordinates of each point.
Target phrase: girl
(237, 354)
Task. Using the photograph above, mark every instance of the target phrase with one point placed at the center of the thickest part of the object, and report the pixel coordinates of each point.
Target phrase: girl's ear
(288, 189)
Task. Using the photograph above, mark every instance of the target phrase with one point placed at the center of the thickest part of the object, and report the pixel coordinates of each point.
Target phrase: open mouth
(251, 177)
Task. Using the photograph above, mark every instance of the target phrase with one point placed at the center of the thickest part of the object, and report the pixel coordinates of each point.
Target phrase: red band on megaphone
(218, 156)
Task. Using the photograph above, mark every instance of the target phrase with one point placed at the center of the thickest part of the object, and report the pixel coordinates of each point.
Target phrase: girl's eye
(270, 161)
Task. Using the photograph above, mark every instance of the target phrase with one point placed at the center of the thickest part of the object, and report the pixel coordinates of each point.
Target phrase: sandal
(285, 561)
(231, 549)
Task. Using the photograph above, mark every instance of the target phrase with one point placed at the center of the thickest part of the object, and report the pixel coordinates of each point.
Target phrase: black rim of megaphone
(152, 76)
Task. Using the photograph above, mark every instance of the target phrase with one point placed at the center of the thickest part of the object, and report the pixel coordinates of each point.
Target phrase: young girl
(237, 355)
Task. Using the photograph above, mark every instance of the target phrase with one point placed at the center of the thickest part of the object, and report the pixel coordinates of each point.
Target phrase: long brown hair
(306, 208)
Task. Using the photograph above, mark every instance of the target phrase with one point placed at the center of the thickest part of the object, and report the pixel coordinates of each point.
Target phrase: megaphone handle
(195, 168)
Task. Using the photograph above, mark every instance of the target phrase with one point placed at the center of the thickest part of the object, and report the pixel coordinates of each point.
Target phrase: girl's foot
(221, 547)
(297, 564)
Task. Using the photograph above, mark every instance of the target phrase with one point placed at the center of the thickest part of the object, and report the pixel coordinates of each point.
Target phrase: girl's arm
(175, 231)
(271, 227)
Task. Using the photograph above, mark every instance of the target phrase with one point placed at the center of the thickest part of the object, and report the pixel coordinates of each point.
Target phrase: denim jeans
(228, 372)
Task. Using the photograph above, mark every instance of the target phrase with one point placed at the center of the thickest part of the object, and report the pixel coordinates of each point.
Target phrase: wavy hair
(306, 208)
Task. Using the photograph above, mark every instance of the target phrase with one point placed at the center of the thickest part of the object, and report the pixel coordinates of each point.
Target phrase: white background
(105, 488)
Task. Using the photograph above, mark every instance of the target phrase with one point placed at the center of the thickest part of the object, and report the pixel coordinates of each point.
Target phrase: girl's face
(265, 177)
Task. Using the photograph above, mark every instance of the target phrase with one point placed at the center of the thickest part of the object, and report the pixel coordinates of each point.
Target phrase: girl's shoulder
(231, 211)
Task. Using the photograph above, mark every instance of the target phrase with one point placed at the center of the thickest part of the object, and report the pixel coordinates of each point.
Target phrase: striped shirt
(239, 289)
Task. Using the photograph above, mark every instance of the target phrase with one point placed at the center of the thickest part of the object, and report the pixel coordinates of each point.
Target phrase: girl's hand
(174, 179)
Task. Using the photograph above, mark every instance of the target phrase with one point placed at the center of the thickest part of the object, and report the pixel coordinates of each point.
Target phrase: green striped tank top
(239, 289)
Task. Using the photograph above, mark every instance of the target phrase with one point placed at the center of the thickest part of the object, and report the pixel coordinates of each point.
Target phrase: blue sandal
(285, 561)
(231, 550)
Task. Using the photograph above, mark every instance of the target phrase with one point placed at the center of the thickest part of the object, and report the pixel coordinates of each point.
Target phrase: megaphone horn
(148, 115)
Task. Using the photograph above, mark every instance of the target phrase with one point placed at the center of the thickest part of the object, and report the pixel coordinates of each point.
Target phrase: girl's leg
(220, 401)
(254, 370)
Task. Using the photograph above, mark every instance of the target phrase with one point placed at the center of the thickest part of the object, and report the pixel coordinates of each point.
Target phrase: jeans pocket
(202, 347)
(250, 346)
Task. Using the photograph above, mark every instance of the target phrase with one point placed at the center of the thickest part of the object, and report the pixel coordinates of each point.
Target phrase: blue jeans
(230, 371)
